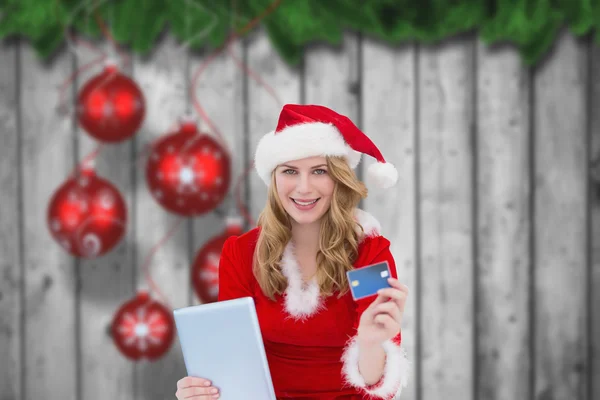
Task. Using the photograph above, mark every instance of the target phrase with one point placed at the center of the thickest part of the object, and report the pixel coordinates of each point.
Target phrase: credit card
(366, 281)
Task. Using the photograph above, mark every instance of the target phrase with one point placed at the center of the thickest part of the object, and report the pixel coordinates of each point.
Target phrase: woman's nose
(303, 184)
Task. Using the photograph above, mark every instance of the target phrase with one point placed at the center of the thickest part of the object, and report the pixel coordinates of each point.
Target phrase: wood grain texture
(108, 281)
(594, 240)
(10, 238)
(263, 110)
(389, 119)
(446, 213)
(560, 223)
(162, 77)
(332, 77)
(50, 278)
(220, 92)
(419, 107)
(503, 231)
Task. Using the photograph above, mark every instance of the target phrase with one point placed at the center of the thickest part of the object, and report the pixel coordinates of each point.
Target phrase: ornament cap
(188, 123)
(234, 221)
(111, 65)
(86, 173)
(89, 165)
(188, 117)
(143, 294)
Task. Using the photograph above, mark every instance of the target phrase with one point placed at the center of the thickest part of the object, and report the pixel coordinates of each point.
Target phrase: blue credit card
(366, 281)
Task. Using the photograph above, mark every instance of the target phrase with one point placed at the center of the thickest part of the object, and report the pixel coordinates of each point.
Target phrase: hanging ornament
(205, 270)
(111, 106)
(143, 328)
(87, 215)
(188, 172)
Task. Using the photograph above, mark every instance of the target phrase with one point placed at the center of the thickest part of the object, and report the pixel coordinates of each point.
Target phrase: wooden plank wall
(11, 271)
(594, 220)
(495, 222)
(560, 221)
(503, 226)
(388, 93)
(105, 283)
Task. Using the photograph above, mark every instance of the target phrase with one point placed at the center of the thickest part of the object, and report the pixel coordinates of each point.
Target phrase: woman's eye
(316, 171)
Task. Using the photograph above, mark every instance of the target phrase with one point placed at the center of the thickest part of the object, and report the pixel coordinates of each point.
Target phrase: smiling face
(305, 188)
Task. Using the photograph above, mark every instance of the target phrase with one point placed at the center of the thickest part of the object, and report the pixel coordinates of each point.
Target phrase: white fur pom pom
(384, 175)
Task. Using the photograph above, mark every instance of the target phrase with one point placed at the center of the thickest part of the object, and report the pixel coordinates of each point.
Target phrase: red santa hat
(311, 130)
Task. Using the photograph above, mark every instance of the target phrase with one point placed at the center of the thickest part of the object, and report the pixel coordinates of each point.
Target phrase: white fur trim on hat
(301, 141)
(384, 175)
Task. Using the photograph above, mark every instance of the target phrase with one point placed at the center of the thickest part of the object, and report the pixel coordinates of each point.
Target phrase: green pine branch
(531, 25)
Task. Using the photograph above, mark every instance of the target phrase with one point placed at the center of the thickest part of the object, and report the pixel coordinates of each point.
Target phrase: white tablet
(222, 342)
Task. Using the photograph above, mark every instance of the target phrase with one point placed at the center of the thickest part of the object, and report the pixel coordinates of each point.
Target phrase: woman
(320, 342)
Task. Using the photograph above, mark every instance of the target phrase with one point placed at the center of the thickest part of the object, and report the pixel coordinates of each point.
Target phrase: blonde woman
(320, 342)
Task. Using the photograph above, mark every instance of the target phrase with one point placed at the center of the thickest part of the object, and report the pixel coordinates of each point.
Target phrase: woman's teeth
(304, 203)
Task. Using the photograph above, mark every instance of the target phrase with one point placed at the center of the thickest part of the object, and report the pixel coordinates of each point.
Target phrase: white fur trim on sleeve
(395, 373)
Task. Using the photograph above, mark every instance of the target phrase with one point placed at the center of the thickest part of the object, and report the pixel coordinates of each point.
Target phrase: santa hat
(310, 130)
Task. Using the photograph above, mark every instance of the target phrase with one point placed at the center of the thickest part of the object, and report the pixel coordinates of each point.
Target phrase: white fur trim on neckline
(369, 223)
(301, 300)
(301, 141)
(395, 373)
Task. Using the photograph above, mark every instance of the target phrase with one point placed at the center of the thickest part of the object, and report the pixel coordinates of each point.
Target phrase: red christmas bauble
(205, 270)
(111, 106)
(87, 215)
(188, 173)
(143, 328)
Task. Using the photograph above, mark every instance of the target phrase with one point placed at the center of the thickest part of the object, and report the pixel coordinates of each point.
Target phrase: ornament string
(106, 32)
(199, 36)
(154, 288)
(243, 209)
(227, 45)
(211, 57)
(146, 265)
(73, 49)
(200, 110)
(241, 65)
(69, 22)
(113, 73)
(214, 19)
(62, 108)
(92, 156)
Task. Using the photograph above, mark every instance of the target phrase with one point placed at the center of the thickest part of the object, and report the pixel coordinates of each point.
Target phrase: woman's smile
(305, 205)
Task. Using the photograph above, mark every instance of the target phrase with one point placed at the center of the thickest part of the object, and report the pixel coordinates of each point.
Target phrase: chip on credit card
(366, 281)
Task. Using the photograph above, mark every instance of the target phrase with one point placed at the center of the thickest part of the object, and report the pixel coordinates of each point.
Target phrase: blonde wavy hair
(338, 241)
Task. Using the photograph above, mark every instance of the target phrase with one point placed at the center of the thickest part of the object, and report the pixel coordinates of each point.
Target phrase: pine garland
(531, 25)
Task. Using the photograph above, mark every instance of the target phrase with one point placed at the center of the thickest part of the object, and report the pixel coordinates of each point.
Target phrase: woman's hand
(382, 319)
(195, 389)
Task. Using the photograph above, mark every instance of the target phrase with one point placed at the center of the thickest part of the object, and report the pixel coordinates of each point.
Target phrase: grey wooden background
(495, 223)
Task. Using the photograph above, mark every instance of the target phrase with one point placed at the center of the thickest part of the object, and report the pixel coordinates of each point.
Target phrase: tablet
(222, 342)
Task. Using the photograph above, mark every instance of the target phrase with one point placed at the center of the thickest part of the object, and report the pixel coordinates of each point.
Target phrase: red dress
(309, 340)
